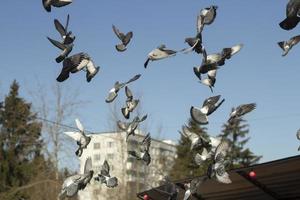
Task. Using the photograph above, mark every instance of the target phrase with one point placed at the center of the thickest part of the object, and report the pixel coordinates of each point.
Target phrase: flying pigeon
(196, 140)
(210, 105)
(77, 182)
(209, 14)
(191, 187)
(170, 190)
(286, 46)
(159, 53)
(241, 110)
(143, 151)
(131, 127)
(81, 138)
(55, 3)
(209, 147)
(195, 43)
(217, 168)
(76, 63)
(211, 61)
(66, 49)
(292, 15)
(113, 93)
(104, 176)
(210, 80)
(131, 103)
(125, 39)
(298, 137)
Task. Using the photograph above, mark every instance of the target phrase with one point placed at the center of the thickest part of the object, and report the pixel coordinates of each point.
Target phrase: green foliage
(236, 132)
(184, 165)
(20, 143)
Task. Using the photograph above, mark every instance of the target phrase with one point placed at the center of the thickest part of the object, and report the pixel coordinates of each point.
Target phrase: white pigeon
(77, 182)
(80, 137)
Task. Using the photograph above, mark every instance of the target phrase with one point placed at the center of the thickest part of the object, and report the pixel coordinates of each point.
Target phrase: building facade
(133, 176)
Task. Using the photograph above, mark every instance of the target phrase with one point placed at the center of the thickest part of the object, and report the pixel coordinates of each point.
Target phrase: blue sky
(168, 87)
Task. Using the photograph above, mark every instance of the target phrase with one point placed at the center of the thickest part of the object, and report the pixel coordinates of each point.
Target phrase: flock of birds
(214, 149)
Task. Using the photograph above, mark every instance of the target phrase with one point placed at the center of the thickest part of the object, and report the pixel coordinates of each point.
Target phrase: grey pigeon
(192, 187)
(210, 80)
(170, 190)
(159, 53)
(66, 35)
(113, 93)
(210, 105)
(212, 61)
(209, 14)
(131, 103)
(55, 3)
(76, 63)
(77, 182)
(67, 40)
(104, 176)
(80, 137)
(217, 169)
(298, 137)
(209, 147)
(195, 43)
(241, 110)
(125, 38)
(66, 49)
(292, 15)
(143, 151)
(196, 140)
(286, 46)
(130, 128)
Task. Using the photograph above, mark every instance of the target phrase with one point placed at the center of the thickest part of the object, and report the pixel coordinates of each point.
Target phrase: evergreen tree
(184, 165)
(20, 143)
(236, 132)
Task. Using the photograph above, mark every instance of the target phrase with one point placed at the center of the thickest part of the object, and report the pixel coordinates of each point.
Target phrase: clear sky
(168, 87)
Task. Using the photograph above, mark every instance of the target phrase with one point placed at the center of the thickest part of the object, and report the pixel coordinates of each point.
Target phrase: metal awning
(279, 179)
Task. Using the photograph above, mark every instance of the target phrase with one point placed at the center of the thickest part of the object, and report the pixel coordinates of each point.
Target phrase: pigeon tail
(63, 76)
(120, 47)
(90, 76)
(289, 23)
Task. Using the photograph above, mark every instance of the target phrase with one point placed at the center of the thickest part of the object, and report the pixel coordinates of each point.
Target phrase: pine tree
(236, 132)
(20, 143)
(184, 165)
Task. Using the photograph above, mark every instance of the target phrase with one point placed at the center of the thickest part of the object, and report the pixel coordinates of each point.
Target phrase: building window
(110, 156)
(97, 145)
(97, 157)
(110, 144)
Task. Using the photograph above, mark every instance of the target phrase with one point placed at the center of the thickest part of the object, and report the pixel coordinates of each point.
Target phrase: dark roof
(278, 179)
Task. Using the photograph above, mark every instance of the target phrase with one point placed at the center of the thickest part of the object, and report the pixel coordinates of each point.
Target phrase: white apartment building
(133, 176)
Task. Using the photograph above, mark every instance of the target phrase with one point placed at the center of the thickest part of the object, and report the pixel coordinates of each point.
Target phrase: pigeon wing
(221, 151)
(57, 44)
(211, 100)
(221, 174)
(246, 108)
(117, 32)
(79, 125)
(59, 27)
(72, 190)
(127, 38)
(111, 97)
(88, 165)
(136, 77)
(200, 23)
(146, 143)
(134, 154)
(198, 116)
(105, 169)
(187, 133)
(295, 40)
(128, 93)
(75, 135)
